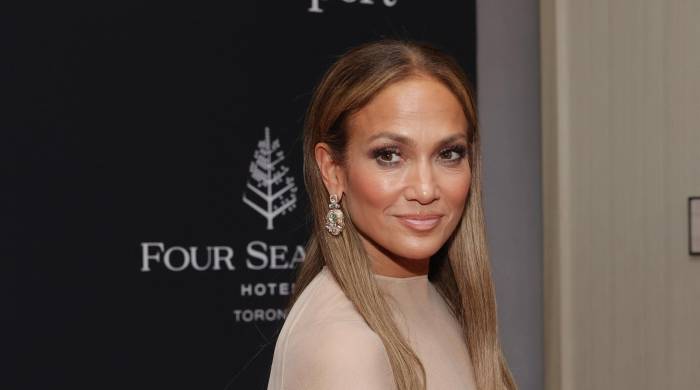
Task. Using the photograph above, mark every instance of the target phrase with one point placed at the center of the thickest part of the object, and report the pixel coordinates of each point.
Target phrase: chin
(417, 250)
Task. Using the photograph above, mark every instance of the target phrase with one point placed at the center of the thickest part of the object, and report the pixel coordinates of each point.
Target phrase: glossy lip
(422, 222)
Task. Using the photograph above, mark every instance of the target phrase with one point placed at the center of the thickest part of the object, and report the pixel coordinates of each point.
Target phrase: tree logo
(272, 184)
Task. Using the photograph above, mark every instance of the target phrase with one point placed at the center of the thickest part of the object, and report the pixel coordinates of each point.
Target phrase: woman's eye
(389, 156)
(450, 155)
(453, 154)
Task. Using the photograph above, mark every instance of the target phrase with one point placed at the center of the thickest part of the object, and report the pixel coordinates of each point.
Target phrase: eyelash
(461, 151)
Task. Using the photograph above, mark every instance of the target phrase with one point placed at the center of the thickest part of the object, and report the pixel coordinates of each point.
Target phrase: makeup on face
(408, 174)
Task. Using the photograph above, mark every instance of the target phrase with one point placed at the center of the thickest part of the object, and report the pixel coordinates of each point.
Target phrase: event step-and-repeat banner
(153, 189)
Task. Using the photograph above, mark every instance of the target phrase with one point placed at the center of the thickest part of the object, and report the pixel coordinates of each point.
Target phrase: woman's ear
(331, 172)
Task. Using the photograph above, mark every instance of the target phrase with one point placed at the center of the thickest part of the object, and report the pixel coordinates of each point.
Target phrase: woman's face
(406, 176)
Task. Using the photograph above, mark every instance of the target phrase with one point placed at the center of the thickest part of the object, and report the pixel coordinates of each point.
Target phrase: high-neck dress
(326, 344)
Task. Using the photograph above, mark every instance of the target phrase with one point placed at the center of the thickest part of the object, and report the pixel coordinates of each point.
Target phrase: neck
(387, 264)
(400, 268)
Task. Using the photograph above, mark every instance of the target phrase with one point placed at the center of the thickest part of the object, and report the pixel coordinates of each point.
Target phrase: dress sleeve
(338, 356)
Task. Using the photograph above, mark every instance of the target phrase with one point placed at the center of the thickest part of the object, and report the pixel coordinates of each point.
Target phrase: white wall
(621, 155)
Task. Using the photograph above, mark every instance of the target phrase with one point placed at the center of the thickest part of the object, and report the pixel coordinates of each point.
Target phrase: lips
(422, 222)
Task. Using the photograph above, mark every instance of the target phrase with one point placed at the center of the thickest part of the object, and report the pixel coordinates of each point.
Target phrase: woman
(395, 290)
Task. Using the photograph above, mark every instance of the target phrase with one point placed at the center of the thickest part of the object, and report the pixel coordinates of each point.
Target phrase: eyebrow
(410, 142)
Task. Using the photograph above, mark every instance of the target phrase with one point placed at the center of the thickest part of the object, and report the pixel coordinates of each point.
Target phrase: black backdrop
(129, 134)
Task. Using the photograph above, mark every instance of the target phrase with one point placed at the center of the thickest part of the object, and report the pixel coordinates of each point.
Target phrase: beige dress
(326, 344)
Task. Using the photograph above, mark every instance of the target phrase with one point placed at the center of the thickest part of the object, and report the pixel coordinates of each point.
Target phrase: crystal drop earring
(334, 218)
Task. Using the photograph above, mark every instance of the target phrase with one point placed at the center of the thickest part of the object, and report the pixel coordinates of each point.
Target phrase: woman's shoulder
(325, 343)
(322, 301)
(336, 355)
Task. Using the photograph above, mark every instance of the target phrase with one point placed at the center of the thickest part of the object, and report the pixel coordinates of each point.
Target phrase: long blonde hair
(460, 270)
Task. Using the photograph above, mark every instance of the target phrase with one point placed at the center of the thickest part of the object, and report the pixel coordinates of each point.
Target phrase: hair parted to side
(460, 270)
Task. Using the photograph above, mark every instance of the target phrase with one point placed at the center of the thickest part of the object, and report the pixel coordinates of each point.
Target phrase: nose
(421, 184)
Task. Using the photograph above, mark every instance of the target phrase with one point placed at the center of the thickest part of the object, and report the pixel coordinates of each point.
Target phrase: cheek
(455, 190)
(368, 190)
